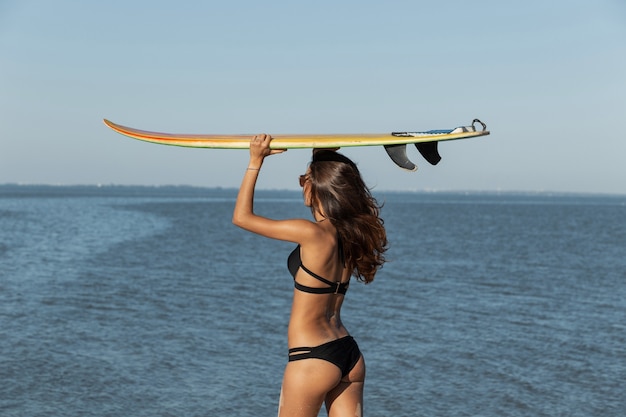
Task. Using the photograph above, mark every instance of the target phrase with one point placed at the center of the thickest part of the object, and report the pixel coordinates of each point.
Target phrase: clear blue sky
(548, 78)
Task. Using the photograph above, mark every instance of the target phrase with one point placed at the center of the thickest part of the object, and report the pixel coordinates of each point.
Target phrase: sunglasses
(303, 179)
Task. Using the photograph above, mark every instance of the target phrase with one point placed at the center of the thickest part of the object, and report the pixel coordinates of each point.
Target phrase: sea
(147, 301)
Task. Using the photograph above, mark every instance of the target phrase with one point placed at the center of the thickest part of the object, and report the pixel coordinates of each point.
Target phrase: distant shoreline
(17, 189)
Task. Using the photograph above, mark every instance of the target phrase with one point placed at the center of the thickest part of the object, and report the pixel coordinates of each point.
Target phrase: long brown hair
(337, 186)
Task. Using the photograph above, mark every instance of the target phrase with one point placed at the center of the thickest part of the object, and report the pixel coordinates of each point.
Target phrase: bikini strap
(333, 287)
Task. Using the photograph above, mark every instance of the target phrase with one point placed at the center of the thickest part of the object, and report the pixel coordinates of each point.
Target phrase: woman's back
(321, 281)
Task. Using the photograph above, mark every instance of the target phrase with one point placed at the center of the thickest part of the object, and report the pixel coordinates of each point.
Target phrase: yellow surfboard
(394, 143)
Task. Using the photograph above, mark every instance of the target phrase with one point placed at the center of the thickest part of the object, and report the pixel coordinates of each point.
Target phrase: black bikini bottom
(344, 353)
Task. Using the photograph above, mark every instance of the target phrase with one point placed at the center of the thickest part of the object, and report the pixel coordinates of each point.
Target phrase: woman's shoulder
(315, 234)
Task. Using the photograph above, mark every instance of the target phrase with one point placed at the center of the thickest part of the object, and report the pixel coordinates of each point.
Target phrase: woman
(345, 238)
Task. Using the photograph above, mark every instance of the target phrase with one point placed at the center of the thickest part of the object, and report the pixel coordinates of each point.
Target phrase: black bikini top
(294, 263)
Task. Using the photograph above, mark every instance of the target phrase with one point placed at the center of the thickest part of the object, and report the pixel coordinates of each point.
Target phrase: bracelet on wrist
(252, 169)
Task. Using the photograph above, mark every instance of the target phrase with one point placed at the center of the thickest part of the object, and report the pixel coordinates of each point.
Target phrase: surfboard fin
(397, 153)
(429, 152)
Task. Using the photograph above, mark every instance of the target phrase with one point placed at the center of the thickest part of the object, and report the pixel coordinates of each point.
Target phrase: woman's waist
(314, 334)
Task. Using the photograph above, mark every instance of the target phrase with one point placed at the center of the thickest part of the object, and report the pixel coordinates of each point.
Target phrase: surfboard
(394, 142)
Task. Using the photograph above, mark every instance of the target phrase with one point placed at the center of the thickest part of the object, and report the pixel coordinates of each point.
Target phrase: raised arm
(243, 215)
(244, 208)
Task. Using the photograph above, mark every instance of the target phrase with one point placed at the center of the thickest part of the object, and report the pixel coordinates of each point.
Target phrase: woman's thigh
(346, 399)
(306, 384)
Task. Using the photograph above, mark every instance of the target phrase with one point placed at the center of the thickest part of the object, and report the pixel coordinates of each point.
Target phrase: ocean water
(130, 301)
